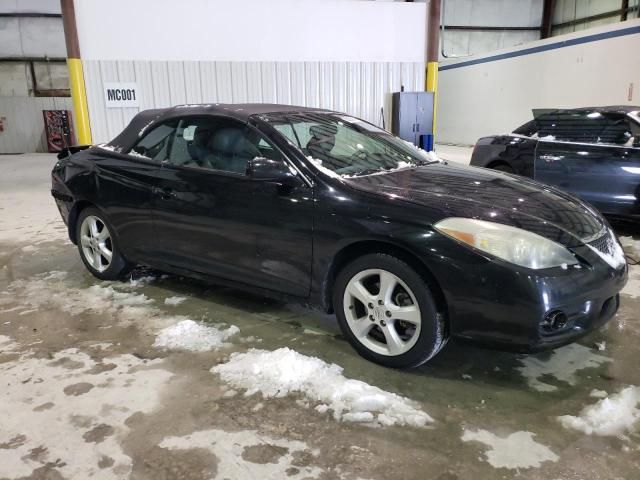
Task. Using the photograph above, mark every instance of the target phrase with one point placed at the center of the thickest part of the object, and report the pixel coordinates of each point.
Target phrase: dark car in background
(593, 153)
(331, 210)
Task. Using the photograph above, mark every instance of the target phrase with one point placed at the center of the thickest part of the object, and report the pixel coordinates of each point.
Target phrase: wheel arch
(74, 214)
(363, 247)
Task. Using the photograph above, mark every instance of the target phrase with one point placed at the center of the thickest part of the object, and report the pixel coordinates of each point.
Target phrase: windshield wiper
(369, 171)
(424, 163)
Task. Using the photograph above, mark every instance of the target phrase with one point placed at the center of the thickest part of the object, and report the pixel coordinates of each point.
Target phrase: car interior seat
(231, 150)
(322, 141)
(198, 148)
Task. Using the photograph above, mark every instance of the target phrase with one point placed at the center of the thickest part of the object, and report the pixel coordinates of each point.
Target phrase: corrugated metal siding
(24, 124)
(358, 88)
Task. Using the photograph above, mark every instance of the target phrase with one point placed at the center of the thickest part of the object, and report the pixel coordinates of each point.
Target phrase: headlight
(508, 243)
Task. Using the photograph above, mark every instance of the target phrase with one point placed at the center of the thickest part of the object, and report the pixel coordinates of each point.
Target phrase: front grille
(604, 244)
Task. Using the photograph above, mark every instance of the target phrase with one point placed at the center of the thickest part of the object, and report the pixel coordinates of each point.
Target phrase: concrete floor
(84, 393)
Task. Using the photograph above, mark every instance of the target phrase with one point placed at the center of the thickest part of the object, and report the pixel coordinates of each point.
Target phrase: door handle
(164, 193)
(551, 158)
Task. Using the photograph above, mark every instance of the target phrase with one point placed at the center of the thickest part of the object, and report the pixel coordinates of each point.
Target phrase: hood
(459, 191)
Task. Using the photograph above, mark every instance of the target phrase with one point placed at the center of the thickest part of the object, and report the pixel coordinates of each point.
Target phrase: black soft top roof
(239, 111)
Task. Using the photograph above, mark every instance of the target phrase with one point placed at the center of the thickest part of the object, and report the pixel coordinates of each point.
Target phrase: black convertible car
(593, 153)
(317, 205)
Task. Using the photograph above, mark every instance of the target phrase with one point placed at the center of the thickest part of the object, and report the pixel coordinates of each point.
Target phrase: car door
(591, 155)
(125, 182)
(209, 215)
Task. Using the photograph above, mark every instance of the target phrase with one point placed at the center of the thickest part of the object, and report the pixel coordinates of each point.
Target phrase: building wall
(344, 55)
(24, 40)
(488, 13)
(22, 124)
(497, 96)
(568, 10)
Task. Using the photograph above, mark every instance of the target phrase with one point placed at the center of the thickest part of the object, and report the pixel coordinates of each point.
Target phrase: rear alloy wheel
(97, 246)
(387, 312)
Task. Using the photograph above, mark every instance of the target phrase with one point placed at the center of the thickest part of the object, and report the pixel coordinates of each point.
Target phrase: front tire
(98, 247)
(387, 312)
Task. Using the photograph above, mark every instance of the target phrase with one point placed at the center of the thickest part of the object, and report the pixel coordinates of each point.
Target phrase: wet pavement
(85, 393)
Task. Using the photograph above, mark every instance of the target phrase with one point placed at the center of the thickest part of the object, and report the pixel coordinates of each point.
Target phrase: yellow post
(432, 86)
(76, 75)
(79, 97)
(433, 53)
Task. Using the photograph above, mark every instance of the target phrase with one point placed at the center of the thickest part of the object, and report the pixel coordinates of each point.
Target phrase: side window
(156, 143)
(617, 130)
(218, 144)
(585, 127)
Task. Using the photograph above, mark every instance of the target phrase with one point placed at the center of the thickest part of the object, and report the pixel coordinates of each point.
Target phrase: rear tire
(387, 312)
(98, 246)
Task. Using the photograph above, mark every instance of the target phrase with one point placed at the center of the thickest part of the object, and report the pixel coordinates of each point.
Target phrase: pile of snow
(518, 450)
(615, 415)
(193, 336)
(562, 364)
(284, 371)
(173, 301)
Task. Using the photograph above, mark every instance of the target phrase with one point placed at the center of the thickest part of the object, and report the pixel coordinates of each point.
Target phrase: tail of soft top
(68, 151)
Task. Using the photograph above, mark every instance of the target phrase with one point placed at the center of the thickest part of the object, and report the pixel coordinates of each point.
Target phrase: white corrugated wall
(357, 88)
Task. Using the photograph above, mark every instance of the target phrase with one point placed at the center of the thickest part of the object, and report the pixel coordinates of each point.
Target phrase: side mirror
(265, 169)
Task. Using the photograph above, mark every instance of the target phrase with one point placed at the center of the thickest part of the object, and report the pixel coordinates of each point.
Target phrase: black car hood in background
(457, 191)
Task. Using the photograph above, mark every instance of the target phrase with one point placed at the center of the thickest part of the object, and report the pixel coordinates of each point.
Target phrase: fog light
(555, 320)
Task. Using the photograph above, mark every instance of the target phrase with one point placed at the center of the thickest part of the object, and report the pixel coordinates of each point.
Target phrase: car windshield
(342, 145)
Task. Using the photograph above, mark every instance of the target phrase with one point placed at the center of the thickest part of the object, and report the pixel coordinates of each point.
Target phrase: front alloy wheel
(382, 312)
(387, 312)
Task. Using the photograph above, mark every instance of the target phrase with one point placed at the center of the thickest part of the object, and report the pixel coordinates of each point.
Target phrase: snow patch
(54, 407)
(109, 148)
(7, 345)
(229, 447)
(563, 364)
(173, 301)
(318, 164)
(284, 372)
(56, 290)
(595, 393)
(615, 415)
(194, 337)
(518, 450)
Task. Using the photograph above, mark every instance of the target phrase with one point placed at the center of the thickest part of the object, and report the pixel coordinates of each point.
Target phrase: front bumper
(505, 307)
